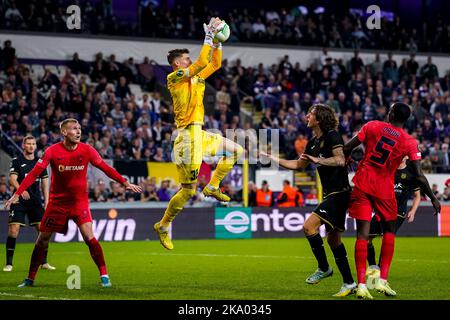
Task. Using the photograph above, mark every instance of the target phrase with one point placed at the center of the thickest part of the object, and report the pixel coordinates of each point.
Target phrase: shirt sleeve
(363, 132)
(31, 177)
(14, 168)
(44, 174)
(413, 150)
(98, 162)
(308, 147)
(335, 139)
(214, 65)
(197, 66)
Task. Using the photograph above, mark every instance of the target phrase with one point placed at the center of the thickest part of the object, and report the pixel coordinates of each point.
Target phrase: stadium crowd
(296, 26)
(123, 126)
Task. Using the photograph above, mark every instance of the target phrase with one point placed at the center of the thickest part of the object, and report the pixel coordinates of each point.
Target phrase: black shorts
(376, 228)
(333, 210)
(18, 213)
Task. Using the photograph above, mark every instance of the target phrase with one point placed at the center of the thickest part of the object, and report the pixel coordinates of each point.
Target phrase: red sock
(97, 255)
(387, 252)
(37, 258)
(360, 259)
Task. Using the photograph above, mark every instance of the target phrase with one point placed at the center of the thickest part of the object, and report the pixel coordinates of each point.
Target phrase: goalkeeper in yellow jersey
(187, 86)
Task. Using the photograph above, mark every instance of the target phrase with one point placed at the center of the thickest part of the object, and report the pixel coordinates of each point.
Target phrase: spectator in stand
(429, 70)
(4, 192)
(149, 193)
(287, 196)
(77, 65)
(99, 193)
(311, 198)
(264, 196)
(252, 189)
(163, 192)
(117, 193)
(122, 89)
(299, 198)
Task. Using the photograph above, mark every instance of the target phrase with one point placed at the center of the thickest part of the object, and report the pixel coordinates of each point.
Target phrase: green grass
(222, 269)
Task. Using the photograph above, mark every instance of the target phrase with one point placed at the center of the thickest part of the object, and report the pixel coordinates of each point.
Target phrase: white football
(224, 32)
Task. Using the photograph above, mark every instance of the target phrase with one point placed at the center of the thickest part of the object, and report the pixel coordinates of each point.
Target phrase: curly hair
(325, 116)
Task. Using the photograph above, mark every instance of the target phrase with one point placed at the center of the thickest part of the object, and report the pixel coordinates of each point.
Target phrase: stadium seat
(136, 90)
(52, 68)
(27, 66)
(37, 71)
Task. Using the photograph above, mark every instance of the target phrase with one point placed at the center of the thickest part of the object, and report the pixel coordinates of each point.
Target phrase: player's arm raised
(299, 164)
(206, 51)
(98, 162)
(215, 63)
(30, 178)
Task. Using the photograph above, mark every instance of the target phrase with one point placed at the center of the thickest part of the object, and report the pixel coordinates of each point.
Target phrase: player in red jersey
(386, 144)
(69, 161)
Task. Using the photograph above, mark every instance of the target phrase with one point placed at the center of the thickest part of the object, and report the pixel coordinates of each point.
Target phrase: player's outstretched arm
(424, 185)
(288, 164)
(15, 184)
(337, 160)
(29, 179)
(349, 146)
(206, 51)
(98, 162)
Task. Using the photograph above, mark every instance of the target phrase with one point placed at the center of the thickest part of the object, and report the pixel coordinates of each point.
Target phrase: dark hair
(175, 53)
(325, 116)
(400, 112)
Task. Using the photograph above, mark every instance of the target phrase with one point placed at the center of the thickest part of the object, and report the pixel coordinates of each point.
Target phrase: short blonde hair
(66, 121)
(28, 137)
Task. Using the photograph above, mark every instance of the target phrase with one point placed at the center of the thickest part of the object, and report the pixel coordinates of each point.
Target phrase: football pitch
(256, 269)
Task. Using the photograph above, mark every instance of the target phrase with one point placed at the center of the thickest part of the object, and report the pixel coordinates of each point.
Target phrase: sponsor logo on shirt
(63, 168)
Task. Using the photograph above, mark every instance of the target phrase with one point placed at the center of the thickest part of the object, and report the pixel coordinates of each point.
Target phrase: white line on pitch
(30, 296)
(251, 256)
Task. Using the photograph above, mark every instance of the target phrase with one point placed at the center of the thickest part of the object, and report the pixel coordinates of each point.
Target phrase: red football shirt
(69, 168)
(385, 147)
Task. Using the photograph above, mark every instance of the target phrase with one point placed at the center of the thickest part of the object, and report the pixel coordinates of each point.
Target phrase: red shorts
(56, 217)
(361, 205)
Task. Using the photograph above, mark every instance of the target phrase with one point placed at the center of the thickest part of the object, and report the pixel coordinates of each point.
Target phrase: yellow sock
(176, 205)
(224, 166)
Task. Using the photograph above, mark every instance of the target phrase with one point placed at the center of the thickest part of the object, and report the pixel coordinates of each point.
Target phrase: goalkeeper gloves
(211, 31)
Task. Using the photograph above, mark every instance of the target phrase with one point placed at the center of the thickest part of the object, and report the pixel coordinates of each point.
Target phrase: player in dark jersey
(325, 150)
(405, 185)
(30, 203)
(386, 144)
